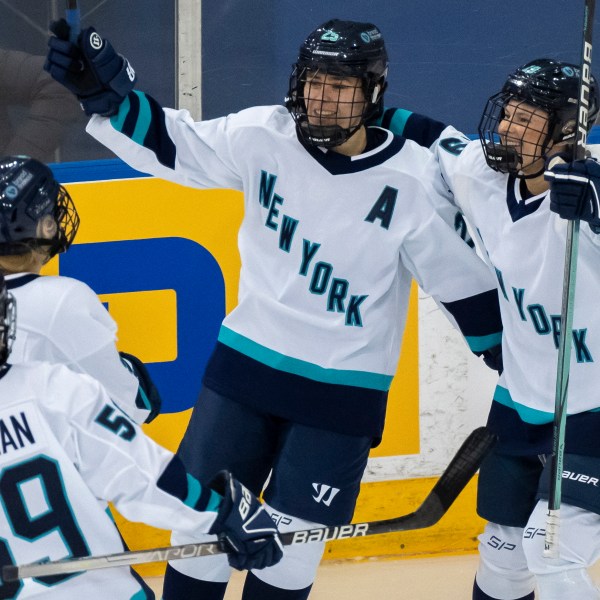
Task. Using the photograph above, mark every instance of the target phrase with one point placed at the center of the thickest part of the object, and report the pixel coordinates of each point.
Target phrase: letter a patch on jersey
(383, 208)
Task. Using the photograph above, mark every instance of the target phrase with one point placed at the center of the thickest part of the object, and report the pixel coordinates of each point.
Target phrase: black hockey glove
(574, 189)
(148, 397)
(91, 69)
(492, 357)
(248, 533)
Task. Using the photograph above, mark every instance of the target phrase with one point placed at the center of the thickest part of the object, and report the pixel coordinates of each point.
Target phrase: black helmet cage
(8, 321)
(550, 85)
(28, 193)
(339, 49)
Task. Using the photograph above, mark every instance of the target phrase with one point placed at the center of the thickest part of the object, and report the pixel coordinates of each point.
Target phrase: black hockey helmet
(35, 210)
(7, 321)
(341, 49)
(544, 83)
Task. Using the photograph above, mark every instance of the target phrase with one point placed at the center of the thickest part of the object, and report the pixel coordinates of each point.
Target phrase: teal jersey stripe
(295, 366)
(215, 502)
(527, 414)
(143, 121)
(479, 343)
(398, 122)
(144, 398)
(141, 595)
(118, 120)
(194, 491)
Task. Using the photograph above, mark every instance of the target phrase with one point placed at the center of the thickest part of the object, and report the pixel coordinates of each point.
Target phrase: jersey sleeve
(85, 335)
(169, 144)
(451, 272)
(118, 462)
(414, 126)
(447, 150)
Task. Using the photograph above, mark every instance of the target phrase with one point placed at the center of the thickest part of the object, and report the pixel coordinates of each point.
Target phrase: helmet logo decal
(330, 36)
(568, 71)
(532, 69)
(11, 192)
(365, 37)
(22, 179)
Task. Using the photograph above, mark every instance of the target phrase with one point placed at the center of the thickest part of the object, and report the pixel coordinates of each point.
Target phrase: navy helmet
(339, 49)
(546, 84)
(35, 210)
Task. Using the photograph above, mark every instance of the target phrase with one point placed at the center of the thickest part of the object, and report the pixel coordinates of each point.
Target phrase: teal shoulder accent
(479, 343)
(117, 120)
(527, 414)
(393, 119)
(398, 121)
(296, 366)
(141, 595)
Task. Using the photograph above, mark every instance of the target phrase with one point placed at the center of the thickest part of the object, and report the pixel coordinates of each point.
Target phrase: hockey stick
(73, 18)
(568, 301)
(448, 487)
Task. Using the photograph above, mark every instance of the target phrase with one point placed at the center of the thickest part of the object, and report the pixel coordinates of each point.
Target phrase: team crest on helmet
(531, 69)
(330, 36)
(11, 192)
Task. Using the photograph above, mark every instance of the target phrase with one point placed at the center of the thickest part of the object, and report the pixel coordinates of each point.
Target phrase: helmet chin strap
(326, 136)
(505, 158)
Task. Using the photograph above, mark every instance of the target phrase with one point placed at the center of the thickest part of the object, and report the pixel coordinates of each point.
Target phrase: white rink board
(455, 392)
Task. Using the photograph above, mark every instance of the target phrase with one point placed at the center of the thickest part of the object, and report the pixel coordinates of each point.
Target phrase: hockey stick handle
(73, 18)
(551, 538)
(451, 483)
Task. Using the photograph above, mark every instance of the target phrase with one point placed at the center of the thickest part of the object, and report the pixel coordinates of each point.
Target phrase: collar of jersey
(4, 370)
(519, 207)
(338, 164)
(15, 281)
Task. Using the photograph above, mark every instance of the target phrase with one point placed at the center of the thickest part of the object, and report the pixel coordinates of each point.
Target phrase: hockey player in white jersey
(500, 184)
(61, 319)
(65, 446)
(338, 218)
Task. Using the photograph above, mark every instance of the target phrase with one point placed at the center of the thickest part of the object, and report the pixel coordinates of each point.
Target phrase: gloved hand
(91, 69)
(574, 189)
(244, 526)
(492, 357)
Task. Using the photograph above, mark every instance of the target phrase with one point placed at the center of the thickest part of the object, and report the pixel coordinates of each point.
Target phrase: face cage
(338, 124)
(67, 220)
(8, 327)
(509, 155)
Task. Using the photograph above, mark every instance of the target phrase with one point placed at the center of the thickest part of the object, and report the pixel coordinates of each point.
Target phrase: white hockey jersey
(329, 245)
(61, 320)
(524, 242)
(64, 446)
